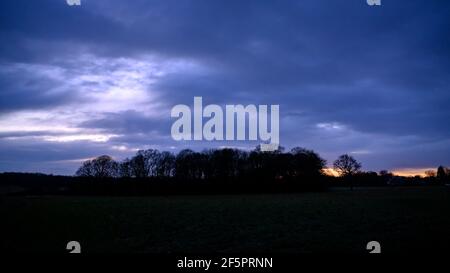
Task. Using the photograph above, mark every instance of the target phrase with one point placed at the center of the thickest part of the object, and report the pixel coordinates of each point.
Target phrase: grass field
(402, 219)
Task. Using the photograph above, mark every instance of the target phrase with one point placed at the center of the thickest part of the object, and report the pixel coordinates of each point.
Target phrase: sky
(101, 78)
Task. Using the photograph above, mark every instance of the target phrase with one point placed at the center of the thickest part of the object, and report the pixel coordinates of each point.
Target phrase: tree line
(223, 164)
(213, 171)
(236, 165)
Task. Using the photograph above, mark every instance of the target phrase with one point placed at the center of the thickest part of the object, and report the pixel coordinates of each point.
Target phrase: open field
(402, 219)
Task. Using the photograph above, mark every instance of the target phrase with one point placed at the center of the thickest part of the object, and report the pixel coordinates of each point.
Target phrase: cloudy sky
(101, 78)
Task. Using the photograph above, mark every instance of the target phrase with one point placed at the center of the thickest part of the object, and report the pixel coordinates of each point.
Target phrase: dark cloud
(36, 155)
(128, 122)
(23, 87)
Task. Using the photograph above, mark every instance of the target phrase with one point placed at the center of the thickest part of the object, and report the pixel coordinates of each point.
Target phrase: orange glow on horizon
(330, 172)
(407, 172)
(410, 172)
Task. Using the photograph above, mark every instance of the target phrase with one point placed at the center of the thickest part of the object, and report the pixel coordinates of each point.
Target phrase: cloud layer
(101, 78)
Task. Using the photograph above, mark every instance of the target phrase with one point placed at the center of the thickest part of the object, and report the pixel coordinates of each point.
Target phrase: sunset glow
(411, 172)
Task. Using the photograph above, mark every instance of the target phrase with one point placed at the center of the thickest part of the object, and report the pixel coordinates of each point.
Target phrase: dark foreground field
(403, 220)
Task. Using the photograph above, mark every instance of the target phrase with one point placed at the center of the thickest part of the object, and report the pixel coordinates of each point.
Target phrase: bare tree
(125, 169)
(145, 163)
(105, 166)
(138, 166)
(86, 169)
(165, 164)
(346, 165)
(430, 173)
(101, 167)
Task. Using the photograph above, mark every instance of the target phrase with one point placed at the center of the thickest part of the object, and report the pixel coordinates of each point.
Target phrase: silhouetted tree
(443, 174)
(306, 163)
(144, 163)
(385, 176)
(225, 163)
(139, 166)
(125, 169)
(86, 169)
(165, 164)
(266, 165)
(347, 167)
(385, 173)
(185, 165)
(105, 166)
(430, 173)
(101, 167)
